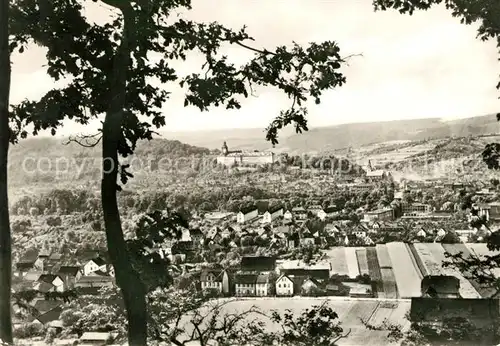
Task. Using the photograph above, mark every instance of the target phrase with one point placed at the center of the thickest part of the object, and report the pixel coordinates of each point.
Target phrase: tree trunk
(133, 290)
(5, 241)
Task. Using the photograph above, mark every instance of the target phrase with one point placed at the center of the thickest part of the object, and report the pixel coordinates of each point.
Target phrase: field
(352, 262)
(350, 314)
(408, 276)
(397, 269)
(383, 256)
(389, 280)
(336, 257)
(374, 268)
(362, 261)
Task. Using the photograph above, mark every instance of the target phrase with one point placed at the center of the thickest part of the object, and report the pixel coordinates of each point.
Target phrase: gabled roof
(249, 209)
(43, 306)
(298, 210)
(283, 276)
(96, 278)
(24, 265)
(48, 278)
(275, 209)
(217, 273)
(55, 257)
(261, 263)
(51, 315)
(32, 275)
(245, 278)
(99, 261)
(45, 287)
(262, 278)
(43, 254)
(69, 270)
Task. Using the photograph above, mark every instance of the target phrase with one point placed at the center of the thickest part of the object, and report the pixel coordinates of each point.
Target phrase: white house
(272, 214)
(247, 214)
(54, 280)
(284, 286)
(94, 265)
(211, 280)
(262, 285)
(288, 215)
(318, 211)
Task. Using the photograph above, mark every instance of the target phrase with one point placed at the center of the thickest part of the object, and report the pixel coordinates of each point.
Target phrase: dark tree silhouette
(5, 237)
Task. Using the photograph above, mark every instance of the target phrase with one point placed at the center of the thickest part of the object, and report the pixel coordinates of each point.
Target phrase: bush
(50, 336)
(29, 330)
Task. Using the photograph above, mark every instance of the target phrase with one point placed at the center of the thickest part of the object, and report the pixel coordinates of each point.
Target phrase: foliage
(152, 231)
(29, 330)
(181, 317)
(452, 331)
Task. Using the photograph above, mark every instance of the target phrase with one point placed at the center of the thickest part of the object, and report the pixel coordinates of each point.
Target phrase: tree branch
(87, 141)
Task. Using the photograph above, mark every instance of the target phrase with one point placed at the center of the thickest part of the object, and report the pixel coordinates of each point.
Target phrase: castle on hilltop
(239, 157)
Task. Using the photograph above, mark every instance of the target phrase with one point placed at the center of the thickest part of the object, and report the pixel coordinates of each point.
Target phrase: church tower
(225, 150)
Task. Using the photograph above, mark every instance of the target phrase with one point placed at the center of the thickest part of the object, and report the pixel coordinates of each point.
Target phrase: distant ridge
(343, 136)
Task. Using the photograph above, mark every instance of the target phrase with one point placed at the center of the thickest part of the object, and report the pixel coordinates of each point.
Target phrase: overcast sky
(427, 65)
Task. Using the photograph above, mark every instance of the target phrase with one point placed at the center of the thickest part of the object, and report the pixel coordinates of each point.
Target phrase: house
(43, 256)
(96, 339)
(49, 316)
(44, 287)
(272, 214)
(196, 237)
(94, 282)
(376, 175)
(491, 211)
(245, 284)
(284, 286)
(214, 234)
(69, 274)
(440, 286)
(337, 289)
(94, 265)
(52, 279)
(292, 240)
(215, 279)
(263, 285)
(247, 214)
(379, 215)
(258, 263)
(309, 286)
(43, 306)
(421, 233)
(360, 231)
(413, 209)
(288, 215)
(32, 276)
(299, 213)
(317, 211)
(332, 229)
(23, 267)
(317, 271)
(331, 211)
(358, 290)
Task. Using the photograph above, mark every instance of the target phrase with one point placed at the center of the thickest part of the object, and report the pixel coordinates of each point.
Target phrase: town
(390, 247)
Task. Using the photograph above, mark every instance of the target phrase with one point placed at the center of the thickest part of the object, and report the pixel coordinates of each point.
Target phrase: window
(279, 285)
